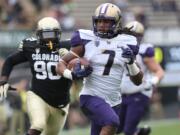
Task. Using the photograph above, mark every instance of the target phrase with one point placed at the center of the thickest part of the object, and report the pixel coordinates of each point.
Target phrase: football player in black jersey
(48, 99)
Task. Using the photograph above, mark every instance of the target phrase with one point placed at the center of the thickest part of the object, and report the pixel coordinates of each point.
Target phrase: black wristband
(131, 61)
(3, 82)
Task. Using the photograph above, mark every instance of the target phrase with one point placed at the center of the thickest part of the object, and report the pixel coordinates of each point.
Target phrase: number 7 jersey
(105, 57)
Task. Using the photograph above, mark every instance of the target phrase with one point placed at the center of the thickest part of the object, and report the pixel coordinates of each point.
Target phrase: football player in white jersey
(135, 99)
(108, 52)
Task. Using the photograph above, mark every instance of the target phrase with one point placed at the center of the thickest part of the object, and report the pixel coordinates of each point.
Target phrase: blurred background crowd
(23, 14)
(161, 19)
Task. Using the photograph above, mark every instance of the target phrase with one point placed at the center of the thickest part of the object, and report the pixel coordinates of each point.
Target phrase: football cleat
(146, 130)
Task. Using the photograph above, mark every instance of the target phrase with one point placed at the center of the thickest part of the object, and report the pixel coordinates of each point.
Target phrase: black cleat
(146, 130)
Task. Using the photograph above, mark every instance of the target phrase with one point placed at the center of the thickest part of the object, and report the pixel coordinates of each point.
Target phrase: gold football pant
(43, 117)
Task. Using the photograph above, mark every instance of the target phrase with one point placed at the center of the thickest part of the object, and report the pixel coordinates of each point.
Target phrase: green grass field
(163, 127)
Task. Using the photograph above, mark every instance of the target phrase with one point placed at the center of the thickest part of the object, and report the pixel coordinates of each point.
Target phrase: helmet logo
(108, 42)
(103, 9)
(96, 43)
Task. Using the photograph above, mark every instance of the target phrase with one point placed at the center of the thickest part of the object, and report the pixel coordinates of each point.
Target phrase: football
(83, 62)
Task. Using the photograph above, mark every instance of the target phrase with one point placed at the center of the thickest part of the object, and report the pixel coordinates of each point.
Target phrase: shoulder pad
(127, 39)
(86, 34)
(146, 50)
(146, 45)
(81, 37)
(28, 42)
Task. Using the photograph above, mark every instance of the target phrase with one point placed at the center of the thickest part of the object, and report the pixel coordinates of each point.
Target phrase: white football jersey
(127, 87)
(107, 63)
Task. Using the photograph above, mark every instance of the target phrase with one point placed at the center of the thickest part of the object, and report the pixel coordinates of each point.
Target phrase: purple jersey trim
(149, 52)
(76, 40)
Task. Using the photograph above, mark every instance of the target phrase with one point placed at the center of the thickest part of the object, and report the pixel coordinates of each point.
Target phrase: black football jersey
(46, 83)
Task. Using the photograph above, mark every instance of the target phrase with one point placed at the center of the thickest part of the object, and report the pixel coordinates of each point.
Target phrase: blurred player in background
(48, 99)
(108, 52)
(135, 99)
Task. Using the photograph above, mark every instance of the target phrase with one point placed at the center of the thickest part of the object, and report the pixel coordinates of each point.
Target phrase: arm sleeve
(11, 61)
(65, 44)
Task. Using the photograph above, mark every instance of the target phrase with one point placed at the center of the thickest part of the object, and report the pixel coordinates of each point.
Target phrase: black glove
(128, 54)
(79, 73)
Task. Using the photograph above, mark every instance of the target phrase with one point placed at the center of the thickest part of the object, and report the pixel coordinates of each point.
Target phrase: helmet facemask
(109, 33)
(46, 35)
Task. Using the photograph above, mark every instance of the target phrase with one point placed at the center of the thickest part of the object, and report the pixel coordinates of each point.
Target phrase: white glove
(154, 80)
(150, 83)
(3, 91)
(147, 85)
(63, 51)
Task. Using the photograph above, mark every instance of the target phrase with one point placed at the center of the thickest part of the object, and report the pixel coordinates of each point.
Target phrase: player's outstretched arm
(7, 67)
(155, 68)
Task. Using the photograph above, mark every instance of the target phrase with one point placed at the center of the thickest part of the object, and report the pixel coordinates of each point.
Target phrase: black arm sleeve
(11, 61)
(65, 44)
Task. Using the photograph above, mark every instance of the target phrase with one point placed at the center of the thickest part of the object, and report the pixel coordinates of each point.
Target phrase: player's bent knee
(39, 125)
(114, 121)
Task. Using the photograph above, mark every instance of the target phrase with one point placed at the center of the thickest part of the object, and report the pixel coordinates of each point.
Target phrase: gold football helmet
(48, 29)
(107, 11)
(135, 27)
